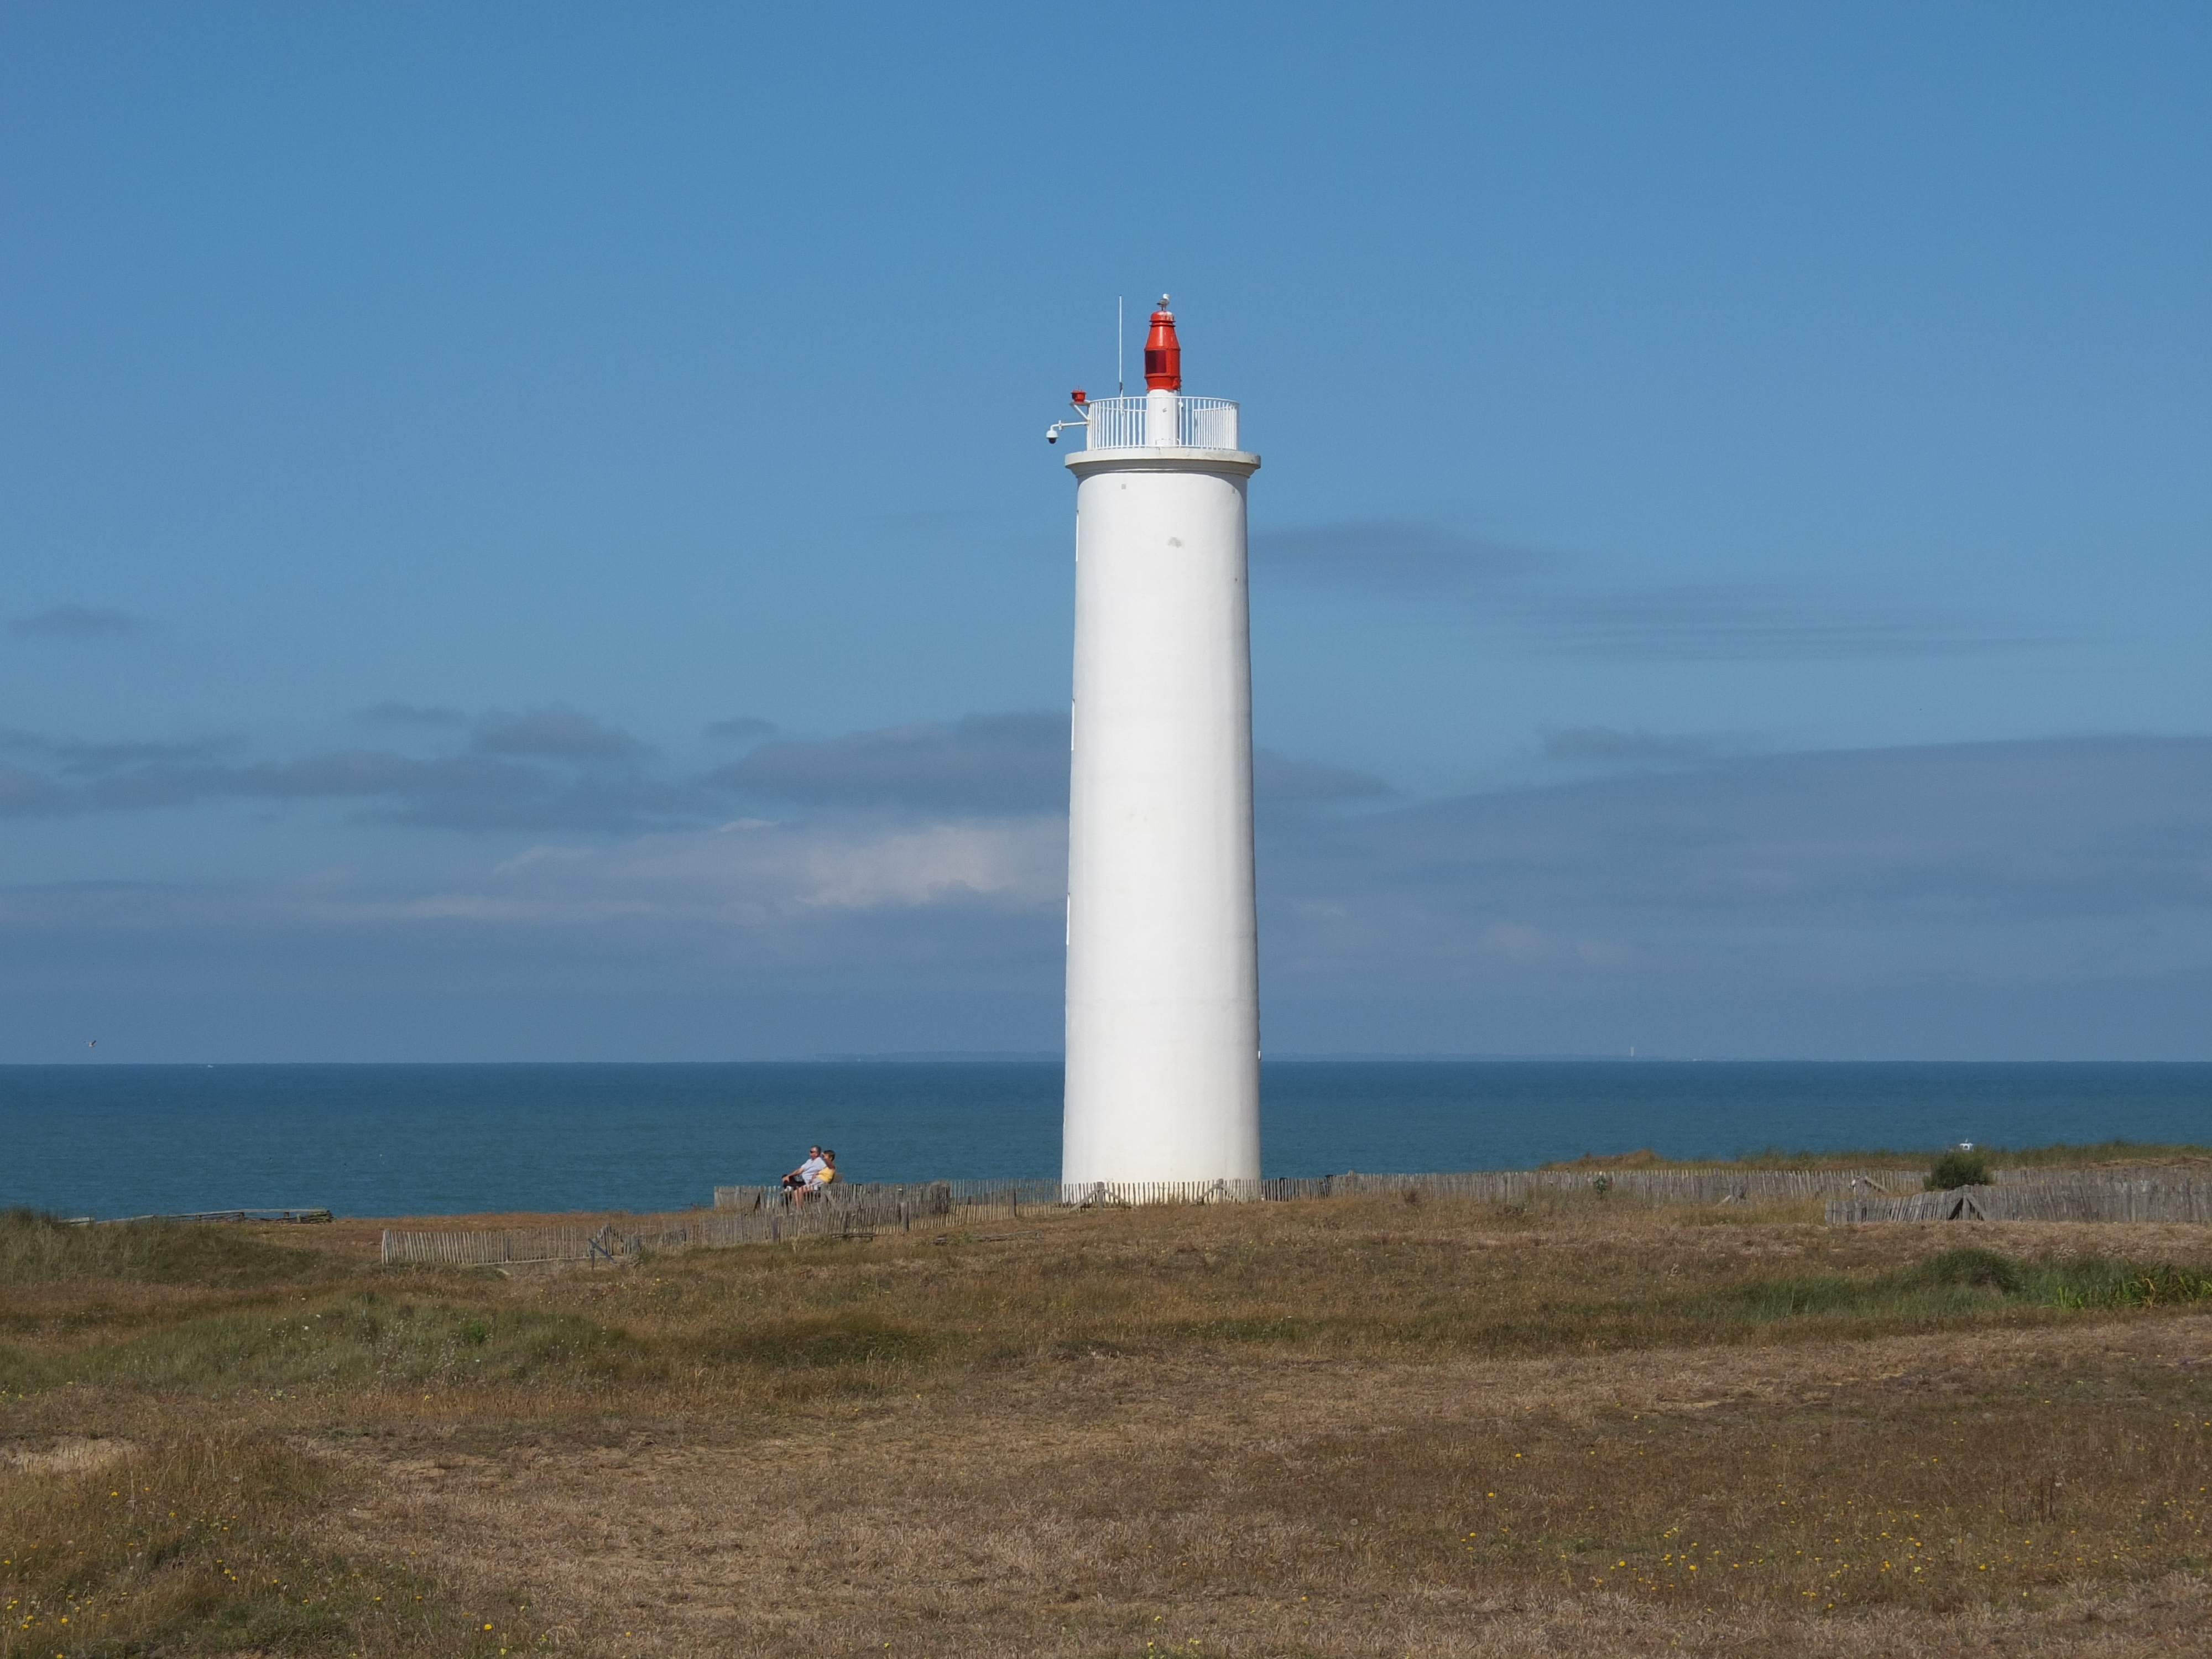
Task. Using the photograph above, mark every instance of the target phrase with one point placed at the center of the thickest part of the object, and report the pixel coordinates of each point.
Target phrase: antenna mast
(1120, 356)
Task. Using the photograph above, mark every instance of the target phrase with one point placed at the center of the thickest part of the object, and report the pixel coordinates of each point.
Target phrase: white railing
(1116, 423)
(1132, 423)
(1205, 422)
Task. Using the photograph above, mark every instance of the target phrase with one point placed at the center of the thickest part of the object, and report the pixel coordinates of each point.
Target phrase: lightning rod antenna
(1120, 355)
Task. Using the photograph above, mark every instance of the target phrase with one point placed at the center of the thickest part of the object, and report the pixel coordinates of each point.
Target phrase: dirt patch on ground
(69, 1455)
(1344, 1508)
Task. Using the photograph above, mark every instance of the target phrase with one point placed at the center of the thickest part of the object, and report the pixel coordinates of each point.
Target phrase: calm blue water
(426, 1139)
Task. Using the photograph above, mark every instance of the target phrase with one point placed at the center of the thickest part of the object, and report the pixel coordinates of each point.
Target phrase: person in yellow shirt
(821, 1178)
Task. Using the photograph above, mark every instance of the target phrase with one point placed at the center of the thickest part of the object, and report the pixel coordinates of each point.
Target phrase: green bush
(1958, 1169)
(1969, 1267)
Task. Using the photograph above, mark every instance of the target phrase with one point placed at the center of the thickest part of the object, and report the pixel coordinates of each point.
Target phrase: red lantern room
(1164, 352)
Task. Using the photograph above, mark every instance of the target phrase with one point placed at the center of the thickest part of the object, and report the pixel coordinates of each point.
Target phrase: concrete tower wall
(1163, 970)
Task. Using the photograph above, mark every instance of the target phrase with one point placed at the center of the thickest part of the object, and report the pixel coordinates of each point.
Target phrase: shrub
(1954, 1169)
(1970, 1268)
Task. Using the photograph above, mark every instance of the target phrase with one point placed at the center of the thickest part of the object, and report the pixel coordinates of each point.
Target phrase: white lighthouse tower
(1163, 968)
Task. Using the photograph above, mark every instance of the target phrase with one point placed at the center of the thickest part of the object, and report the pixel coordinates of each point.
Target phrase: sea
(402, 1140)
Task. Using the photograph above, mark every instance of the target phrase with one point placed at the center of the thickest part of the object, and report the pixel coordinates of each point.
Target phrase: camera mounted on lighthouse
(1078, 402)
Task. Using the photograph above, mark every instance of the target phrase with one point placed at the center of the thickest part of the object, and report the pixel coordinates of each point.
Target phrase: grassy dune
(1342, 1427)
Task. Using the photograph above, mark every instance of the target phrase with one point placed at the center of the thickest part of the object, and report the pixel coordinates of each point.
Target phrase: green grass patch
(2061, 1154)
(37, 1249)
(1963, 1282)
(359, 1342)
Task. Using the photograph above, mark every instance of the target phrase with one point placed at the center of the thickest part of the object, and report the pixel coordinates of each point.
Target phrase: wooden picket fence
(2057, 1195)
(750, 1215)
(1620, 1186)
(939, 1198)
(742, 1215)
(755, 1215)
(1498, 1186)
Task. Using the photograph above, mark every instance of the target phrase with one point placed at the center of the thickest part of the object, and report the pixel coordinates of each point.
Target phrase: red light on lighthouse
(1164, 352)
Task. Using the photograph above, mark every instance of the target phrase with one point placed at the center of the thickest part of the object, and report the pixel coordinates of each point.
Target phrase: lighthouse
(1163, 1080)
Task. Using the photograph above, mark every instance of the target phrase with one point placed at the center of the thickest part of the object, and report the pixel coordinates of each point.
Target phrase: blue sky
(524, 531)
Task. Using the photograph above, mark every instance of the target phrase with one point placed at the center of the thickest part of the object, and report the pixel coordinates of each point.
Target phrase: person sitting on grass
(821, 1178)
(803, 1177)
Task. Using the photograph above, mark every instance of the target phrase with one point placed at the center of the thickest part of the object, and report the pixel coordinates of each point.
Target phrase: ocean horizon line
(1050, 1057)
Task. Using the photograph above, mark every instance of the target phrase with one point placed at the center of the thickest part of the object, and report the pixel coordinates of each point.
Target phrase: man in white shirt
(806, 1174)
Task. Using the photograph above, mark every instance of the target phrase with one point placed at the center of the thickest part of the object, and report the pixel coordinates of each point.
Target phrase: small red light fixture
(1078, 397)
(1164, 352)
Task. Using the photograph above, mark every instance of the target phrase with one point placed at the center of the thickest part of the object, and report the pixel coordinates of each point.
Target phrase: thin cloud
(22, 792)
(1278, 778)
(560, 769)
(469, 791)
(560, 734)
(103, 759)
(1607, 743)
(78, 757)
(983, 763)
(410, 714)
(1556, 604)
(1753, 622)
(789, 893)
(1967, 842)
(75, 622)
(744, 872)
(1392, 556)
(980, 763)
(744, 729)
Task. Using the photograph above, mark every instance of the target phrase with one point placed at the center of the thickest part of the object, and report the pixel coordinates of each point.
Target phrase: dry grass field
(1344, 1427)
